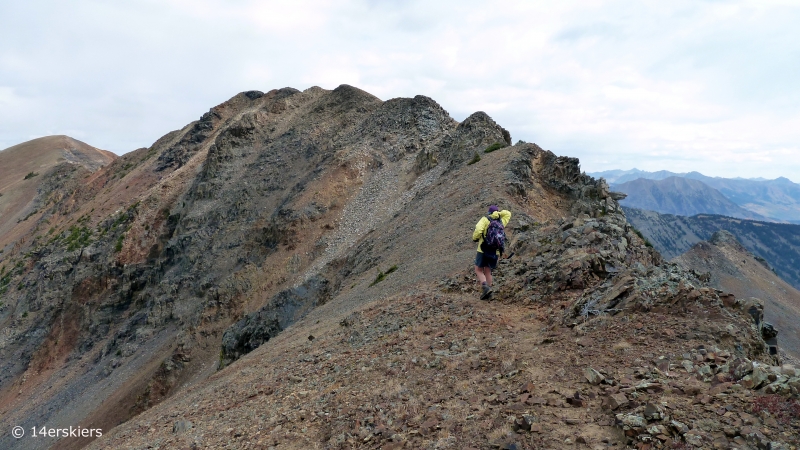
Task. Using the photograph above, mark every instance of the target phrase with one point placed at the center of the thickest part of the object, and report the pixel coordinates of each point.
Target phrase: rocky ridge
(592, 340)
(299, 232)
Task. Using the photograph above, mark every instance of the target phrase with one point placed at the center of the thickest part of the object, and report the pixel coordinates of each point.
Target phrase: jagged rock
(653, 412)
(181, 426)
(740, 367)
(755, 380)
(679, 427)
(592, 376)
(693, 439)
(754, 437)
(524, 423)
(272, 202)
(631, 421)
(616, 401)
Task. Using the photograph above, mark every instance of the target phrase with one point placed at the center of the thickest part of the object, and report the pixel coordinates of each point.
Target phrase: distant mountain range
(681, 196)
(777, 199)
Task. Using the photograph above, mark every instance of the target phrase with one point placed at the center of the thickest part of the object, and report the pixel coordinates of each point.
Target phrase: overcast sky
(712, 86)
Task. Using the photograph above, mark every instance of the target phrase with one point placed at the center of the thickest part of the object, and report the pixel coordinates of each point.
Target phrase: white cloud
(707, 86)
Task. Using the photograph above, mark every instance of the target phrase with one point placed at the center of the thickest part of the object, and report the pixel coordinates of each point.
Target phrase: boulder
(592, 376)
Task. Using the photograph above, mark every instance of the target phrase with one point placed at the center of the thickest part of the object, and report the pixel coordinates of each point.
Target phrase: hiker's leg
(487, 272)
(480, 275)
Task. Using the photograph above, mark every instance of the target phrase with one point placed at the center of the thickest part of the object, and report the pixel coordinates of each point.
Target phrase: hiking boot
(486, 292)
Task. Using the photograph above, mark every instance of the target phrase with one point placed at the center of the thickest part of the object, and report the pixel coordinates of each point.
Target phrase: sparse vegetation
(493, 147)
(79, 237)
(118, 245)
(474, 159)
(784, 410)
(5, 280)
(31, 175)
(382, 275)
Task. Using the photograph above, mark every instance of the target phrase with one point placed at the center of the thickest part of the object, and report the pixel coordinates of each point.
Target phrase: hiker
(491, 228)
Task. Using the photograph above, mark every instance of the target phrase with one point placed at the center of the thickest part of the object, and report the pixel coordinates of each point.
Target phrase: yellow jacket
(483, 224)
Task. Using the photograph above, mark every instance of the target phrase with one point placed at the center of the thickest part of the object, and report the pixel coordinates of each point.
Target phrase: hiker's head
(493, 208)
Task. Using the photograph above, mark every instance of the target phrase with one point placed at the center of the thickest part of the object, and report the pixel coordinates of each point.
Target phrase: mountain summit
(23, 166)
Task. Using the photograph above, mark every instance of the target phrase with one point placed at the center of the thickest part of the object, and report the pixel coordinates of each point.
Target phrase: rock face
(318, 242)
(257, 328)
(471, 137)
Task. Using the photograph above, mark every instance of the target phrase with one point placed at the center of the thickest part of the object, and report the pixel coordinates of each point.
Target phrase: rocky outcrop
(469, 139)
(281, 311)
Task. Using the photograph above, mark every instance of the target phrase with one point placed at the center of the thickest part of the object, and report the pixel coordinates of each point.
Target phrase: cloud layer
(683, 85)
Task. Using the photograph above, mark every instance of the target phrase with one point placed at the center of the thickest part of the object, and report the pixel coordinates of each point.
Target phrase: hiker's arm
(505, 216)
(480, 228)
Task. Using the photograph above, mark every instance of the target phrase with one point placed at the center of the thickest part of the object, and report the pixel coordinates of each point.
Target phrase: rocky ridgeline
(593, 269)
(241, 208)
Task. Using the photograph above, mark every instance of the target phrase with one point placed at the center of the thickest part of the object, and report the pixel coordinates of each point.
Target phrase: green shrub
(31, 175)
(118, 245)
(475, 159)
(382, 275)
(78, 237)
(493, 147)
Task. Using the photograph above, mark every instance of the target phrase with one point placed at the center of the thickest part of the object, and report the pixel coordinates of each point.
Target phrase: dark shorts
(486, 260)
